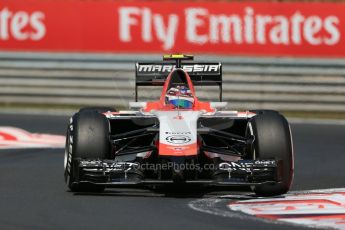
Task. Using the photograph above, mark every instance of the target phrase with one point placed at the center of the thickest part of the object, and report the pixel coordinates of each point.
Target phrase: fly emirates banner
(227, 28)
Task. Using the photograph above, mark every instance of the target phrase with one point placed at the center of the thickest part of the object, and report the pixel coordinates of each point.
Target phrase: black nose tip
(177, 175)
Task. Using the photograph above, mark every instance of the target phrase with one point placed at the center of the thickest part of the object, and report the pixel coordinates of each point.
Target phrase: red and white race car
(178, 139)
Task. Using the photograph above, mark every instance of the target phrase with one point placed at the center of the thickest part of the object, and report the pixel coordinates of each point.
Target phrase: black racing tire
(87, 138)
(272, 141)
(99, 109)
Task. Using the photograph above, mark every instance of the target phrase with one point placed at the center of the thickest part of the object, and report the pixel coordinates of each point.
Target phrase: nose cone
(177, 176)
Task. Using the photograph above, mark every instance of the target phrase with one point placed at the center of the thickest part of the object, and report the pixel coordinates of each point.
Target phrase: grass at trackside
(75, 108)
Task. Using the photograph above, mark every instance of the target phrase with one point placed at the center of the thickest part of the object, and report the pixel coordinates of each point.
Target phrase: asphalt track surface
(33, 194)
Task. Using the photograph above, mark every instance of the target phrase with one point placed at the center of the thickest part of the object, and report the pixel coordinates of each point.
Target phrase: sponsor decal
(323, 208)
(163, 68)
(244, 26)
(21, 25)
(95, 165)
(68, 151)
(246, 165)
(233, 28)
(235, 165)
(178, 117)
(265, 162)
(15, 138)
(178, 139)
(179, 133)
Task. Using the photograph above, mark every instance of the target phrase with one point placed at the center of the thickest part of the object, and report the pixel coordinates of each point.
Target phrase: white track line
(220, 206)
(15, 138)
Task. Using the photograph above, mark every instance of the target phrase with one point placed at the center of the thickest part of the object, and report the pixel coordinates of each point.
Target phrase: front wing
(120, 174)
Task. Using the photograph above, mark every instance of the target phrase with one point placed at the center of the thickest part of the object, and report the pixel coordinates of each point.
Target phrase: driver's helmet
(180, 96)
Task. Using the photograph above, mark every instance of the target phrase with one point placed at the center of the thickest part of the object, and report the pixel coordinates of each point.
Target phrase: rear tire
(99, 109)
(87, 138)
(272, 141)
(263, 111)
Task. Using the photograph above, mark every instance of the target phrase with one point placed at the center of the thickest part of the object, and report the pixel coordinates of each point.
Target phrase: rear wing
(155, 74)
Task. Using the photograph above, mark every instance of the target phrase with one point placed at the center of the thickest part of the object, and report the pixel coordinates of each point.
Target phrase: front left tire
(87, 138)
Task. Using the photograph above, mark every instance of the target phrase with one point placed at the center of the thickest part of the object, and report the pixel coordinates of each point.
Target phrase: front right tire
(272, 141)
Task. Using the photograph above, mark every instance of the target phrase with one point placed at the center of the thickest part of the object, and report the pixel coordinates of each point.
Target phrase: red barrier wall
(269, 29)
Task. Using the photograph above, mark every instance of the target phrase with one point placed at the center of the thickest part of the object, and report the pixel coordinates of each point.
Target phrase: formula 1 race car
(178, 139)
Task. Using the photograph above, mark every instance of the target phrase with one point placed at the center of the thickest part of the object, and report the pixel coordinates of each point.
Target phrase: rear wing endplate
(201, 74)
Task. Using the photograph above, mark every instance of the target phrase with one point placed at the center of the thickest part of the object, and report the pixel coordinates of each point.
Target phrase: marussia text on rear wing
(155, 74)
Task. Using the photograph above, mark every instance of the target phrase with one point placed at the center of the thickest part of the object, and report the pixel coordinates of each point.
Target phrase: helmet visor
(181, 103)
